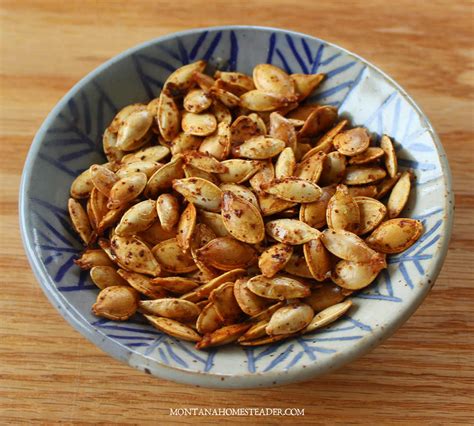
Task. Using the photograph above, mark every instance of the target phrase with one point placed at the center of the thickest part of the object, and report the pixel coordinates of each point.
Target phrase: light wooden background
(50, 373)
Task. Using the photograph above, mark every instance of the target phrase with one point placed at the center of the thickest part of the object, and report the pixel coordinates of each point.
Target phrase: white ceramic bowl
(70, 140)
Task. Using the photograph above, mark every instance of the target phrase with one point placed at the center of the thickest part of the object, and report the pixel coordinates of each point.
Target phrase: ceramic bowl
(70, 140)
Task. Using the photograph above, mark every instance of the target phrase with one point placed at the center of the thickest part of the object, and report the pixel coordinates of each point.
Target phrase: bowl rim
(249, 380)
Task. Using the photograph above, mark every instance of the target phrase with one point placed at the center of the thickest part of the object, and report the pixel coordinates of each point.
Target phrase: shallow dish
(70, 140)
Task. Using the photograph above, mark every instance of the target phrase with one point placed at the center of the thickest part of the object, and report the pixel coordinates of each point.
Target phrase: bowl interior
(70, 140)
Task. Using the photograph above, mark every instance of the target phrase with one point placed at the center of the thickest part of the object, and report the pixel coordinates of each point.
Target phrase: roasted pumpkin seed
(290, 319)
(278, 287)
(117, 303)
(395, 235)
(291, 231)
(242, 219)
(399, 196)
(327, 316)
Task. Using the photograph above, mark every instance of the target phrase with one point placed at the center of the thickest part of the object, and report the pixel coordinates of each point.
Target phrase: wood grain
(50, 373)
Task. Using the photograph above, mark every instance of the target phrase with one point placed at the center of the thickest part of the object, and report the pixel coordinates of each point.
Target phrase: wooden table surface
(50, 373)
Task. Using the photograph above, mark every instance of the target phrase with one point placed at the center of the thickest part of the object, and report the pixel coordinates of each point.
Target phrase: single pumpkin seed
(357, 275)
(204, 162)
(193, 172)
(271, 79)
(343, 211)
(198, 124)
(317, 259)
(80, 220)
(391, 162)
(126, 189)
(352, 142)
(226, 253)
(327, 316)
(239, 171)
(200, 192)
(259, 122)
(117, 303)
(173, 328)
(265, 340)
(399, 196)
(204, 81)
(260, 101)
(167, 208)
(176, 309)
(133, 130)
(274, 259)
(239, 82)
(371, 154)
(82, 186)
(186, 227)
(183, 143)
(242, 219)
(168, 117)
(259, 148)
(134, 255)
(290, 319)
(361, 175)
(138, 218)
(106, 276)
(395, 235)
(176, 285)
(347, 246)
(205, 290)
(182, 78)
(278, 287)
(305, 84)
(269, 204)
(93, 257)
(264, 175)
(285, 164)
(123, 114)
(147, 167)
(152, 153)
(291, 231)
(372, 212)
(293, 189)
(196, 101)
(171, 258)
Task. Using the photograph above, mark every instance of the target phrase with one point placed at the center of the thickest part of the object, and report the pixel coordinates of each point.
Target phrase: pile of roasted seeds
(229, 212)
